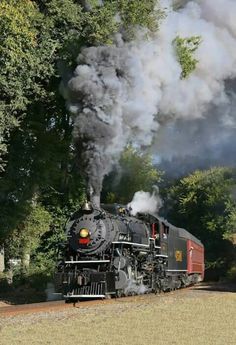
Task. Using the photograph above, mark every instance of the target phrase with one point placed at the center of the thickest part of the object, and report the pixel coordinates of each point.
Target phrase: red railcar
(195, 258)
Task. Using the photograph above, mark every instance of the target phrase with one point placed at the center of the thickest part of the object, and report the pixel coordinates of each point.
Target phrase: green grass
(194, 318)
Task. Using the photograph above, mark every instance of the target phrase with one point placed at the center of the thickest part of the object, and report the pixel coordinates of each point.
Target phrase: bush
(231, 274)
(35, 278)
(4, 282)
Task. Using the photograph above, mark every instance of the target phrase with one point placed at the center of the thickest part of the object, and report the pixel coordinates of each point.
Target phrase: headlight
(84, 233)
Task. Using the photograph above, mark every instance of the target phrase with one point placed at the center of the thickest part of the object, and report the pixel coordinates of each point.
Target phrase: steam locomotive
(111, 253)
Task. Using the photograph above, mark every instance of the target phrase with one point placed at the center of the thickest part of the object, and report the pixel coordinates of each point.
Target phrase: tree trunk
(2, 264)
(25, 261)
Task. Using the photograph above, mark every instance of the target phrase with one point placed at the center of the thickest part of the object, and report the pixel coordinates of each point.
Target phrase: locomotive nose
(88, 233)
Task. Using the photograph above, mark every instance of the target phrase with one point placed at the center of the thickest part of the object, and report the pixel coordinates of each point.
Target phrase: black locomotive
(111, 253)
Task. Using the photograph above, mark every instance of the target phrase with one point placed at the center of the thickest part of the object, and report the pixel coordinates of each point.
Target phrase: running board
(88, 262)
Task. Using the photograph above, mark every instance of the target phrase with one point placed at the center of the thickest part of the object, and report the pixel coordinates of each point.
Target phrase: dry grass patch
(191, 319)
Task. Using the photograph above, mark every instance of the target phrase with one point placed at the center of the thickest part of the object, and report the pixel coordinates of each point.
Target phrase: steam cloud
(145, 202)
(133, 91)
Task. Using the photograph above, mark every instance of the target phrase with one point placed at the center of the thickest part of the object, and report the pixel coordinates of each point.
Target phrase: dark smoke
(132, 92)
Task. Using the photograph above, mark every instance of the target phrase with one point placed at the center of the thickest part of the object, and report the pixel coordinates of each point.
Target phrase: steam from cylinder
(145, 202)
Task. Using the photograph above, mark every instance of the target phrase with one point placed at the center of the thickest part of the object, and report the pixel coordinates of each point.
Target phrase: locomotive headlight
(84, 233)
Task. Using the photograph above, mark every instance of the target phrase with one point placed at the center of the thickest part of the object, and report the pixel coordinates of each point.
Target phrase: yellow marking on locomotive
(179, 255)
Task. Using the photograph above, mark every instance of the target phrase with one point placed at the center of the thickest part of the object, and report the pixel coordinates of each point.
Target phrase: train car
(111, 253)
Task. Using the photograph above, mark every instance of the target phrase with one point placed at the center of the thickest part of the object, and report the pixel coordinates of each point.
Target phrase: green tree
(185, 49)
(26, 237)
(125, 16)
(17, 41)
(35, 43)
(30, 45)
(136, 173)
(144, 14)
(203, 204)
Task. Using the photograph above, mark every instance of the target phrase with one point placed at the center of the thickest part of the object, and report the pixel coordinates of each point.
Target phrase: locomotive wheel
(178, 284)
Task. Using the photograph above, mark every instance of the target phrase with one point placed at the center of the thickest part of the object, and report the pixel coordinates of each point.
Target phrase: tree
(34, 42)
(112, 16)
(136, 173)
(203, 204)
(26, 237)
(17, 41)
(185, 48)
(31, 42)
(144, 14)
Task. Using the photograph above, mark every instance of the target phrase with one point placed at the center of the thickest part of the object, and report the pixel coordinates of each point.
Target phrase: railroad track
(52, 306)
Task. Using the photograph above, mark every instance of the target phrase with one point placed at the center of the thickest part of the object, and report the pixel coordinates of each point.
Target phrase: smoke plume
(145, 202)
(133, 92)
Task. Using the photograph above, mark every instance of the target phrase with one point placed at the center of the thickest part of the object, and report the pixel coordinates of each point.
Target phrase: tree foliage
(17, 42)
(203, 204)
(101, 24)
(125, 16)
(31, 44)
(136, 173)
(26, 237)
(144, 14)
(185, 48)
(38, 38)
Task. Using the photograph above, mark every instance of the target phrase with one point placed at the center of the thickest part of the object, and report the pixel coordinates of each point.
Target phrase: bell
(87, 207)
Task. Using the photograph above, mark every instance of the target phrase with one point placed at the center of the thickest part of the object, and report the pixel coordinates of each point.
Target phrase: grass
(192, 319)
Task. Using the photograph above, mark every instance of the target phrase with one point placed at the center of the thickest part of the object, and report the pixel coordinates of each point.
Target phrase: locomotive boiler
(111, 253)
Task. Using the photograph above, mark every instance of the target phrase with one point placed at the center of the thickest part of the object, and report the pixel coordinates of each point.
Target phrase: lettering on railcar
(179, 255)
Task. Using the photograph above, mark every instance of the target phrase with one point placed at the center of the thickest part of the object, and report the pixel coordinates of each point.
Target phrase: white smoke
(130, 91)
(145, 202)
(134, 288)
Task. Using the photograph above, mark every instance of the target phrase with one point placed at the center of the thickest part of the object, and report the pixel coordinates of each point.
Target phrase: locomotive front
(90, 232)
(105, 251)
(86, 267)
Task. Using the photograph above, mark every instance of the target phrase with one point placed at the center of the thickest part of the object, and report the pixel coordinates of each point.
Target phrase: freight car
(111, 253)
